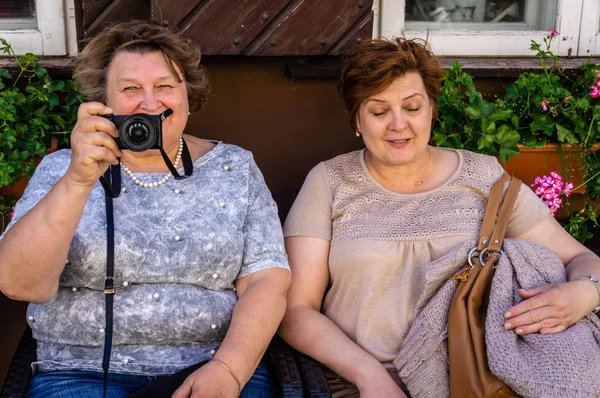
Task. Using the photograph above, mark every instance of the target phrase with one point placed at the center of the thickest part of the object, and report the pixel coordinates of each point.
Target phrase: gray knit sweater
(562, 365)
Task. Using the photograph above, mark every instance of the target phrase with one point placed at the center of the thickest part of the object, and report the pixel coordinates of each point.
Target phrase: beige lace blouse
(380, 240)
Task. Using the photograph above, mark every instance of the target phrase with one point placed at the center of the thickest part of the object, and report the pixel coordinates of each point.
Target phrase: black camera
(138, 132)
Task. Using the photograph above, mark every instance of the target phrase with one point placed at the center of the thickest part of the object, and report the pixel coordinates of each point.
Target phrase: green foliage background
(33, 108)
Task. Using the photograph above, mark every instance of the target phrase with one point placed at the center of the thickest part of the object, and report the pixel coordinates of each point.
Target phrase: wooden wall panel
(175, 12)
(361, 31)
(92, 10)
(310, 27)
(117, 10)
(222, 27)
(244, 27)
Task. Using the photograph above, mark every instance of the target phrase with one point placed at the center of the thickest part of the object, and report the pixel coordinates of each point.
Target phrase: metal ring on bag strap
(472, 253)
(485, 250)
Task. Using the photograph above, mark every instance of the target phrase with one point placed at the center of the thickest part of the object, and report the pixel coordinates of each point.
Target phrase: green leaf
(562, 132)
(52, 101)
(485, 142)
(506, 152)
(507, 137)
(543, 123)
(499, 115)
(511, 92)
(515, 121)
(56, 86)
(565, 135)
(473, 113)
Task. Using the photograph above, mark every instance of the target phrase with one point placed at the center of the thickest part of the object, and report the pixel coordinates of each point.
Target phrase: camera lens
(138, 133)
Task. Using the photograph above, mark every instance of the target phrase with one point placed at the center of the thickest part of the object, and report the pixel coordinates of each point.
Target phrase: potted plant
(553, 114)
(7, 205)
(34, 109)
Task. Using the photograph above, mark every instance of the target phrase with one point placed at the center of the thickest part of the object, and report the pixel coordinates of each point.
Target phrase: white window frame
(55, 33)
(589, 42)
(473, 42)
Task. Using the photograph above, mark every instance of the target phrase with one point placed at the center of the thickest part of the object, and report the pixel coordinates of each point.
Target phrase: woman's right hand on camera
(93, 145)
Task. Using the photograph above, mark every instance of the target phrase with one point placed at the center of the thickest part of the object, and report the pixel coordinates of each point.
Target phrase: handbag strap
(491, 211)
(494, 224)
(496, 219)
(497, 238)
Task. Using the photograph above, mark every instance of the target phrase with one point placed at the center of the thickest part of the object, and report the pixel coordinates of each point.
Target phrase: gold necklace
(419, 181)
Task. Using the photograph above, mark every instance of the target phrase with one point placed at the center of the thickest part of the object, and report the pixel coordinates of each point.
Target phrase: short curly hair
(140, 37)
(377, 63)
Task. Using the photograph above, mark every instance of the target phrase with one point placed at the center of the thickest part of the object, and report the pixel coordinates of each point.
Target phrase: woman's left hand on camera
(93, 145)
(210, 381)
(551, 308)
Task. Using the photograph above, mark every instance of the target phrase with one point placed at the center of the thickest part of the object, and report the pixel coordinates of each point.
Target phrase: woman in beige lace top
(365, 223)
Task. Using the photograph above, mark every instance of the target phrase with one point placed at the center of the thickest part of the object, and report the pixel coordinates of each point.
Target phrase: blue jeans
(87, 384)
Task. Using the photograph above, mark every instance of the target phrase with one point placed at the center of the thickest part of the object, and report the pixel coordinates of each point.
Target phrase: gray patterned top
(179, 248)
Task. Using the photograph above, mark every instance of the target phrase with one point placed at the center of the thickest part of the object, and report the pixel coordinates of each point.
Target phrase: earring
(357, 133)
(189, 113)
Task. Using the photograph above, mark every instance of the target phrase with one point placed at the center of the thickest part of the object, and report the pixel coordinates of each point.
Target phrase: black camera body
(138, 132)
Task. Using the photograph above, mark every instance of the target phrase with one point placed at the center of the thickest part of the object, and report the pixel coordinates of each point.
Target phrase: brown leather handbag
(470, 375)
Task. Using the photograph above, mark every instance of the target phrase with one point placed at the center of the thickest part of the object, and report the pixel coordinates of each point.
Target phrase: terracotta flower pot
(566, 161)
(16, 190)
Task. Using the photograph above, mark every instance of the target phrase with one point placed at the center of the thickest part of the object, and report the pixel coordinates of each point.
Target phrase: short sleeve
(49, 171)
(263, 239)
(310, 214)
(528, 209)
(527, 212)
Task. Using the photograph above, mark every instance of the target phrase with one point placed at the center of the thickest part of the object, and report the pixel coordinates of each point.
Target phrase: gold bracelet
(228, 369)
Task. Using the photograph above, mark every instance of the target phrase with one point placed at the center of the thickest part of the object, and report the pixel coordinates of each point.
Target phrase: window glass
(17, 14)
(481, 14)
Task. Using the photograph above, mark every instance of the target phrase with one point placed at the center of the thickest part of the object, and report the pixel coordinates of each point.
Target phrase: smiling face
(144, 83)
(396, 122)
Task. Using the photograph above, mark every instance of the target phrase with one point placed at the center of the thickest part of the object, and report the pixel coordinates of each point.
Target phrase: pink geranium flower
(596, 87)
(553, 32)
(550, 188)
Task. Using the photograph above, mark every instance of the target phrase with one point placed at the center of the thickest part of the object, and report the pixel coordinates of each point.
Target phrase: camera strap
(188, 166)
(111, 182)
(186, 158)
(109, 287)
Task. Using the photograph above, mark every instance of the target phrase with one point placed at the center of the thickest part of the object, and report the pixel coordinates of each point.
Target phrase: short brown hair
(377, 63)
(140, 37)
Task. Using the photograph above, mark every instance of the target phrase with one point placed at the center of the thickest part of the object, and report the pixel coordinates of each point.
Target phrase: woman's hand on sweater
(551, 308)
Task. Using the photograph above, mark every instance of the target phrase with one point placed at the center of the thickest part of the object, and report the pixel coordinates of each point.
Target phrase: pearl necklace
(162, 180)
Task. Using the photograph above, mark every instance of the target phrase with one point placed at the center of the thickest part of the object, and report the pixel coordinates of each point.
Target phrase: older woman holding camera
(200, 268)
(366, 223)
